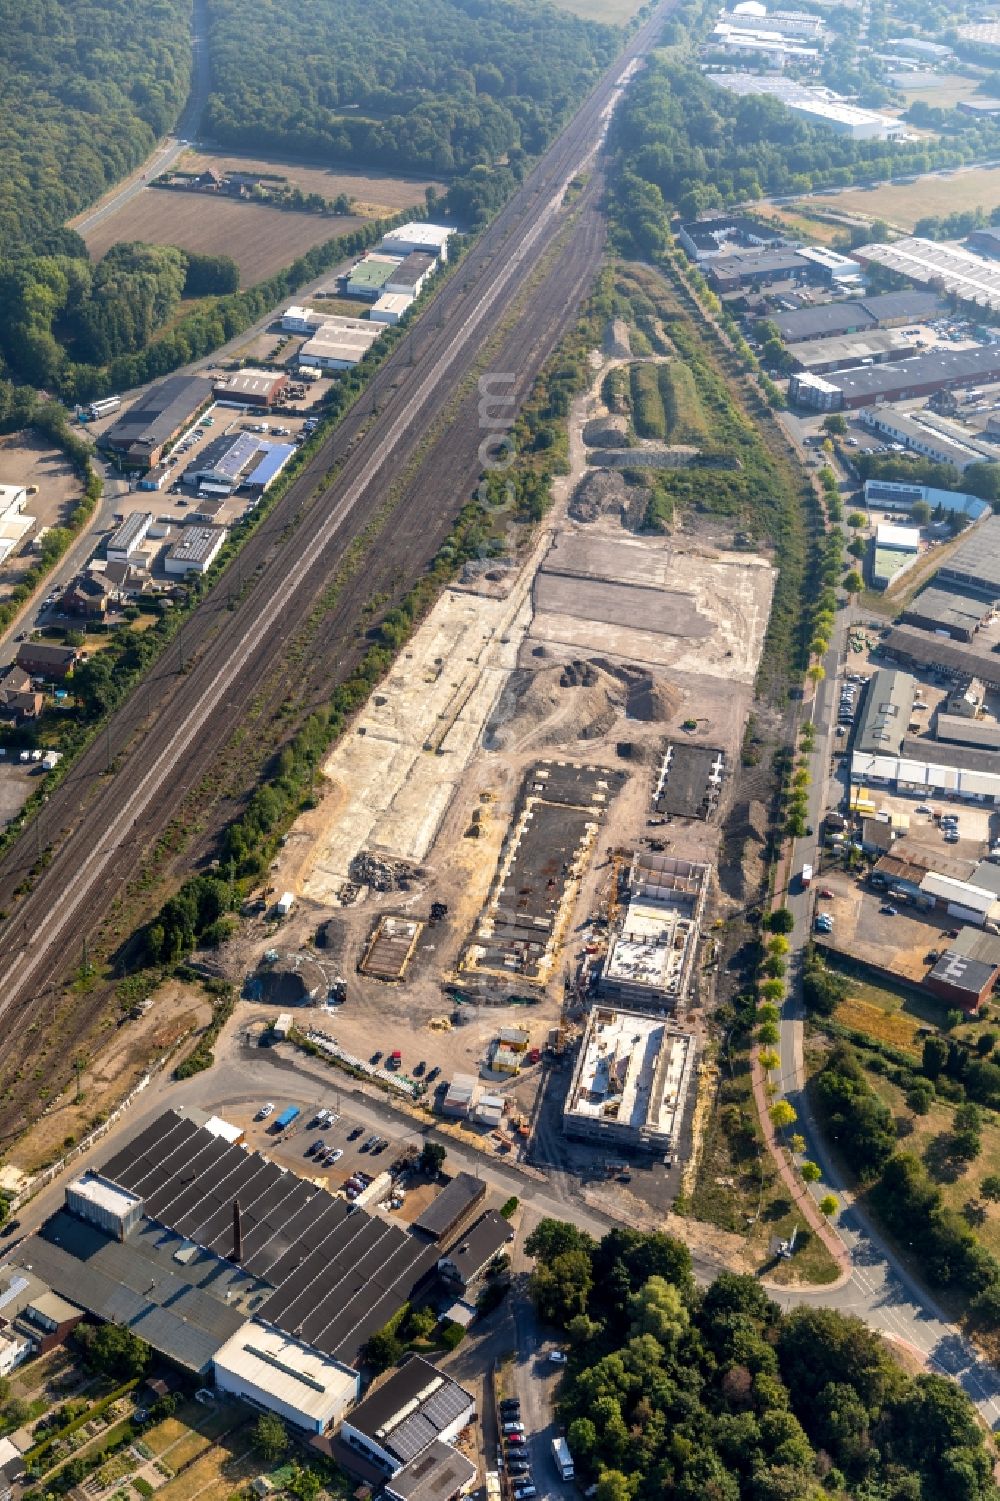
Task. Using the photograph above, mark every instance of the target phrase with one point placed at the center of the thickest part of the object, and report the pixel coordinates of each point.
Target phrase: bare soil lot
(373, 193)
(903, 204)
(260, 239)
(25, 459)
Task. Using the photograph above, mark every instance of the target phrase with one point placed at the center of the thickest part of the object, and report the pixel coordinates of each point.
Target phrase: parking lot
(361, 1149)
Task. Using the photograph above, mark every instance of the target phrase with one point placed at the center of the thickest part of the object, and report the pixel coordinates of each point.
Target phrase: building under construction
(651, 956)
(630, 1082)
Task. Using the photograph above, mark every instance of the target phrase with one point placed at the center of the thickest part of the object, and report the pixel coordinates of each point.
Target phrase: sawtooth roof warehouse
(231, 1266)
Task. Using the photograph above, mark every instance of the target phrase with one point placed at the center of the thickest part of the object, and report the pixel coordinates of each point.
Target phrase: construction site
(524, 819)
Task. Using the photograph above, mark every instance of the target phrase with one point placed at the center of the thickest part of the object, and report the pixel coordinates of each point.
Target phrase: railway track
(167, 736)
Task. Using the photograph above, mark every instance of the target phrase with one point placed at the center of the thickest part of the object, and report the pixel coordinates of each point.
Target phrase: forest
(685, 1395)
(439, 86)
(88, 86)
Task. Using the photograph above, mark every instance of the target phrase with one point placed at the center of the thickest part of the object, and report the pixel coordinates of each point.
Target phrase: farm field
(260, 239)
(903, 204)
(374, 194)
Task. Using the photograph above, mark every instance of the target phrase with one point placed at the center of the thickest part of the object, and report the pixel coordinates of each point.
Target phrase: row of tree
(719, 1396)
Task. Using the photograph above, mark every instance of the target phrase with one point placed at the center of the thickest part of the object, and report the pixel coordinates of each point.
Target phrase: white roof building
(899, 538)
(430, 238)
(961, 898)
(272, 1370)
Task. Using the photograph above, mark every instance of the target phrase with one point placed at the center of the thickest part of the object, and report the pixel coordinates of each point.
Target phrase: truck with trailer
(103, 408)
(284, 1120)
(563, 1458)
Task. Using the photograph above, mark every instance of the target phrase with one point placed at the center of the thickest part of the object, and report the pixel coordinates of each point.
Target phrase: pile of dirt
(606, 432)
(742, 862)
(556, 705)
(598, 493)
(651, 701)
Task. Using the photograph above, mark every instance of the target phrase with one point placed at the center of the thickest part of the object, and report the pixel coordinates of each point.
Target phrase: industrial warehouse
(234, 1268)
(139, 436)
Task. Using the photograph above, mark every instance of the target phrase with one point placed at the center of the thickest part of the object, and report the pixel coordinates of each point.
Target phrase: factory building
(471, 1256)
(252, 388)
(409, 276)
(427, 239)
(833, 319)
(945, 267)
(368, 278)
(894, 550)
(746, 268)
(339, 343)
(848, 120)
(975, 565)
(947, 612)
(937, 370)
(229, 1265)
(454, 1206)
(888, 705)
(704, 239)
(897, 495)
(630, 1081)
(274, 1371)
(958, 981)
(140, 435)
(301, 320)
(15, 524)
(390, 307)
(842, 352)
(929, 435)
(651, 955)
(980, 734)
(125, 542)
(237, 460)
(195, 550)
(924, 650)
(817, 106)
(415, 1406)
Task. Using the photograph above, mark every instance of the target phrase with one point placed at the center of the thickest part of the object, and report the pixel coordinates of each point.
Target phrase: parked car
(353, 1135)
(432, 1074)
(557, 1357)
(514, 1426)
(265, 1111)
(825, 892)
(515, 1440)
(524, 1492)
(335, 1156)
(889, 909)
